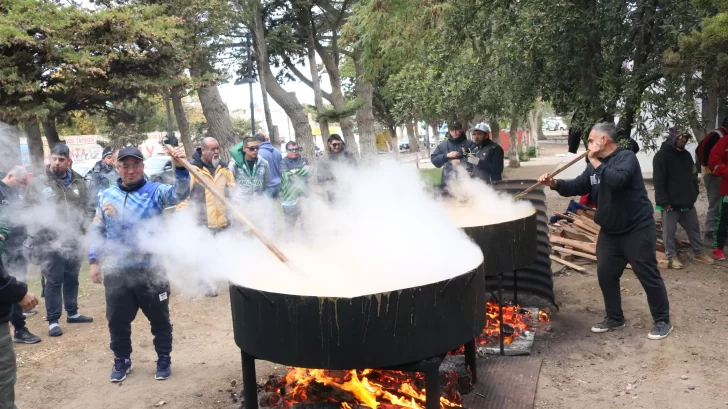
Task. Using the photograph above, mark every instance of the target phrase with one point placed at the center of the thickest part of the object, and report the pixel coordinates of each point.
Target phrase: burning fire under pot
(349, 342)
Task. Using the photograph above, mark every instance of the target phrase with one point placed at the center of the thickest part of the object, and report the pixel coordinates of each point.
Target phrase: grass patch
(431, 177)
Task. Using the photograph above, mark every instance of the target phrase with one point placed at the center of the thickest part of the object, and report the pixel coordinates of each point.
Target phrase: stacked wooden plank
(575, 239)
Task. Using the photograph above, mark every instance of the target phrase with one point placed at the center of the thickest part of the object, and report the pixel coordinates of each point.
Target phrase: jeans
(637, 248)
(128, 291)
(712, 187)
(273, 191)
(60, 270)
(7, 368)
(689, 221)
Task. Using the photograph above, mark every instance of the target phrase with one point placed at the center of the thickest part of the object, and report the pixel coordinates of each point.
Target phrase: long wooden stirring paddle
(520, 196)
(237, 213)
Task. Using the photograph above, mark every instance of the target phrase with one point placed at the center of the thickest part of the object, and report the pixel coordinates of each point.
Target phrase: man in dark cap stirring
(449, 154)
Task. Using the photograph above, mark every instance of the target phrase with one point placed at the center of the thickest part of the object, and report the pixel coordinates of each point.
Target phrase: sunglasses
(294, 149)
(252, 148)
(336, 145)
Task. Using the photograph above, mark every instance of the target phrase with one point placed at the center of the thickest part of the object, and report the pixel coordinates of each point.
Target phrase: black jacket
(490, 164)
(618, 190)
(11, 292)
(11, 201)
(674, 176)
(440, 160)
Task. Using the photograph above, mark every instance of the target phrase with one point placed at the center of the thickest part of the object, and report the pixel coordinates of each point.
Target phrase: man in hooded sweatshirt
(487, 159)
(251, 172)
(273, 157)
(711, 181)
(676, 191)
(211, 212)
(295, 172)
(336, 156)
(449, 154)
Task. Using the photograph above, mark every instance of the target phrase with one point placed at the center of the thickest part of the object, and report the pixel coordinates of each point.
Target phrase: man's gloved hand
(473, 160)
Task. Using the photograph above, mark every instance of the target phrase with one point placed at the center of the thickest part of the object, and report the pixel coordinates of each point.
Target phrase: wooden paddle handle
(237, 213)
(519, 196)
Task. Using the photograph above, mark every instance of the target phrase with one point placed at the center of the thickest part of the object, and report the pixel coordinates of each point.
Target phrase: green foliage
(531, 152)
(431, 177)
(243, 128)
(128, 123)
(523, 154)
(331, 115)
(56, 59)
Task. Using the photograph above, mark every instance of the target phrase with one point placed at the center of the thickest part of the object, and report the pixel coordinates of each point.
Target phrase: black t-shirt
(251, 164)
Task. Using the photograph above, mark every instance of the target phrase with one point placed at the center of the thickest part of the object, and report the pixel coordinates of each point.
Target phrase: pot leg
(432, 385)
(250, 385)
(470, 361)
(515, 287)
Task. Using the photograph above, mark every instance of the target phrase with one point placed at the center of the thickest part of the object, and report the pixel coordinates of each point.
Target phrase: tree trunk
(35, 145)
(395, 143)
(365, 116)
(182, 122)
(272, 129)
(9, 146)
(495, 130)
(51, 133)
(513, 161)
(412, 138)
(287, 100)
(337, 96)
(533, 121)
(216, 113)
(435, 132)
(317, 94)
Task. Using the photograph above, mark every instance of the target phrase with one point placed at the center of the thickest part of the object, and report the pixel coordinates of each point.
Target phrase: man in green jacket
(251, 172)
(58, 203)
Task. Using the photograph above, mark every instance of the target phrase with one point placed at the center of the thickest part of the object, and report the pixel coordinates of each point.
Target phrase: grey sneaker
(661, 330)
(23, 336)
(607, 325)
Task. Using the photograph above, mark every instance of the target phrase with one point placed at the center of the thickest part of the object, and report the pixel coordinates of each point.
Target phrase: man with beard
(295, 172)
(676, 191)
(336, 155)
(449, 154)
(628, 235)
(211, 212)
(12, 236)
(132, 280)
(58, 201)
(487, 159)
(103, 176)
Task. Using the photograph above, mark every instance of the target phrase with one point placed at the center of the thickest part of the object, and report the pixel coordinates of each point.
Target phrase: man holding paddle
(628, 235)
(131, 275)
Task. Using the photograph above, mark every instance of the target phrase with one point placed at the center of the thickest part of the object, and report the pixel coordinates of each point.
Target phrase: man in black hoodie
(11, 292)
(449, 154)
(676, 191)
(487, 159)
(628, 235)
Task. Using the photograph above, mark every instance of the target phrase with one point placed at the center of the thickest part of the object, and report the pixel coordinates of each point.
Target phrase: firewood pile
(574, 240)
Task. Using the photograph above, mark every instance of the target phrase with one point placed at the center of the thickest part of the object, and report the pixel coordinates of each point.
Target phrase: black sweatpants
(17, 266)
(127, 291)
(638, 249)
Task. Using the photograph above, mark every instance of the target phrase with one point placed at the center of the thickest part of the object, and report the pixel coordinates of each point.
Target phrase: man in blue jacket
(627, 235)
(273, 157)
(132, 280)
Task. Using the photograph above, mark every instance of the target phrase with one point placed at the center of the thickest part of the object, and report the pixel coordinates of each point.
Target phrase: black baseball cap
(108, 151)
(454, 125)
(130, 151)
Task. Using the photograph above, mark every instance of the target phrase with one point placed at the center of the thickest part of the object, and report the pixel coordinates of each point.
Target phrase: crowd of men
(59, 211)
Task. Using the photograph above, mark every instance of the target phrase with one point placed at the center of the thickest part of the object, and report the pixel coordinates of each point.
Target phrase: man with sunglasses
(251, 172)
(12, 236)
(336, 155)
(294, 173)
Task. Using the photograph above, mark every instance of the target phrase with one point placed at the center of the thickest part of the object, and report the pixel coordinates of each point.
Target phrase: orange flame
(369, 387)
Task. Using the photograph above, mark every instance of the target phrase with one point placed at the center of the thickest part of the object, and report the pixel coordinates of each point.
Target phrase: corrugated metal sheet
(535, 282)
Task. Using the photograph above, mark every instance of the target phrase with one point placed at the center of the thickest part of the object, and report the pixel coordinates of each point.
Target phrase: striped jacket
(123, 213)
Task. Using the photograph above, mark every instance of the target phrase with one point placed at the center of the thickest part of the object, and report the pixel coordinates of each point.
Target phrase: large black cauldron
(506, 246)
(372, 331)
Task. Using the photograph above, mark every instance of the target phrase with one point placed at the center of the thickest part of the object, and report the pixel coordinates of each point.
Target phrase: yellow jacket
(210, 210)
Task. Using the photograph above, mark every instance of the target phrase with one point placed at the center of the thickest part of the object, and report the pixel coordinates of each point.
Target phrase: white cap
(481, 127)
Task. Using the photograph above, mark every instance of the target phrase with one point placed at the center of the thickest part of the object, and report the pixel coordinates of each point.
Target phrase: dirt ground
(580, 369)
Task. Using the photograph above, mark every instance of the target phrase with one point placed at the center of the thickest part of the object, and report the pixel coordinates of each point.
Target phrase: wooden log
(590, 248)
(316, 405)
(586, 226)
(574, 234)
(269, 399)
(456, 364)
(567, 264)
(574, 252)
(585, 213)
(563, 216)
(588, 233)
